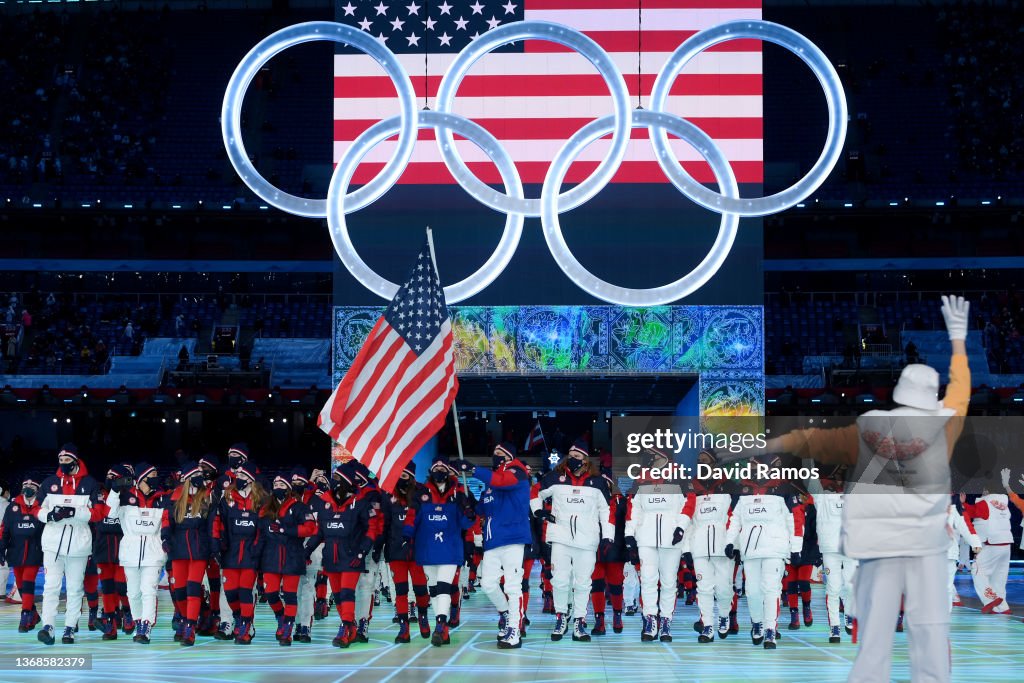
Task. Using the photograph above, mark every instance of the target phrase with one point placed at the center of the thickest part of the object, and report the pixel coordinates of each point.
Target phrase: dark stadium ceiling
(568, 392)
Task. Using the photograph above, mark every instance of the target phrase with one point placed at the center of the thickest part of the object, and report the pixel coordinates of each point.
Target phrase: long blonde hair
(191, 504)
(257, 494)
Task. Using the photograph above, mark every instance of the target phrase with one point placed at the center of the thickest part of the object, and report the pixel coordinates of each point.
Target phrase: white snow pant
(990, 570)
(630, 584)
(439, 583)
(952, 581)
(365, 589)
(505, 561)
(714, 581)
(879, 584)
(659, 565)
(764, 589)
(571, 567)
(4, 572)
(839, 571)
(142, 583)
(73, 570)
(306, 595)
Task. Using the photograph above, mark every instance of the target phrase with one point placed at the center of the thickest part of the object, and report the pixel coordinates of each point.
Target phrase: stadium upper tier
(124, 106)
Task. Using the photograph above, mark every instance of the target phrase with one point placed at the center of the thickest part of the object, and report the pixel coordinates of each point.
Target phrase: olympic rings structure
(552, 202)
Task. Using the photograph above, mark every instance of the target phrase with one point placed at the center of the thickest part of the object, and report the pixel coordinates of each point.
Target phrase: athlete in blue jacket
(506, 505)
(436, 522)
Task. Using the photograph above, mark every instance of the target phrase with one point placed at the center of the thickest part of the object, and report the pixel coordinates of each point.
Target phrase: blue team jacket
(506, 505)
(436, 522)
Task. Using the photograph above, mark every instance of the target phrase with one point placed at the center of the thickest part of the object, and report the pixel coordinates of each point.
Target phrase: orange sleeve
(828, 446)
(958, 395)
(1016, 500)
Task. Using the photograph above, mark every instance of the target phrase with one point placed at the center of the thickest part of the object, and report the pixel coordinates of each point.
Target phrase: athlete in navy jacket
(399, 554)
(285, 522)
(239, 543)
(436, 522)
(106, 542)
(21, 543)
(347, 527)
(506, 533)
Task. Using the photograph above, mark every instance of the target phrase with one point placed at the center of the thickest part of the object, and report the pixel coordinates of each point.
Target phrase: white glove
(1005, 474)
(954, 310)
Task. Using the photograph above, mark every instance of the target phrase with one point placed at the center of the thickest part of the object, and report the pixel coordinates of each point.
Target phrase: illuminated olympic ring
(728, 203)
(377, 133)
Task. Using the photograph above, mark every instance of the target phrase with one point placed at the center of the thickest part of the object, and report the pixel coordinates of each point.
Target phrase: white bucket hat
(918, 387)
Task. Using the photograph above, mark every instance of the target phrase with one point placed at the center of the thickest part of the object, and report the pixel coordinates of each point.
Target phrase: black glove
(122, 484)
(688, 558)
(731, 552)
(677, 535)
(124, 497)
(166, 545)
(543, 515)
(818, 562)
(461, 465)
(634, 552)
(56, 514)
(357, 561)
(405, 550)
(604, 551)
(276, 528)
(545, 552)
(794, 559)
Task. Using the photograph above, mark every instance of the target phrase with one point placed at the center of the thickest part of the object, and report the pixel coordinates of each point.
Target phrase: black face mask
(67, 467)
(153, 483)
(280, 494)
(405, 484)
(574, 464)
(241, 484)
(299, 489)
(439, 476)
(28, 492)
(342, 489)
(199, 482)
(497, 460)
(209, 475)
(322, 484)
(234, 461)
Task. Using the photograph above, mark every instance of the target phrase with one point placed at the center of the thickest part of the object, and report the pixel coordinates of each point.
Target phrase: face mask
(234, 461)
(199, 482)
(299, 489)
(241, 484)
(341, 489)
(405, 484)
(280, 494)
(153, 483)
(28, 492)
(209, 475)
(439, 476)
(67, 467)
(574, 464)
(497, 461)
(322, 484)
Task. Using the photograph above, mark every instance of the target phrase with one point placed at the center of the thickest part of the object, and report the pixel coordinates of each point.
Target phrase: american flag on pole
(533, 95)
(397, 392)
(534, 438)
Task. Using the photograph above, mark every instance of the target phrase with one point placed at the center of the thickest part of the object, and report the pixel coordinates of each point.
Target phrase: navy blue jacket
(283, 551)
(347, 529)
(189, 538)
(21, 534)
(506, 504)
(237, 530)
(436, 522)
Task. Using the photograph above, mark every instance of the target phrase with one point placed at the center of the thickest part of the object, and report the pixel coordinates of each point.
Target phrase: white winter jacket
(141, 545)
(72, 536)
(994, 527)
(580, 509)
(707, 532)
(654, 512)
(829, 515)
(958, 528)
(762, 527)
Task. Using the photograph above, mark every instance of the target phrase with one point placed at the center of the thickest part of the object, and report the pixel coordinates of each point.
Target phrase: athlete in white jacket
(705, 541)
(837, 568)
(656, 518)
(959, 528)
(990, 515)
(578, 523)
(762, 530)
(141, 552)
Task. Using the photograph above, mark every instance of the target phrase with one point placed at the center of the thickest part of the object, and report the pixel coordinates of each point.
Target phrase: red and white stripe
(392, 401)
(534, 101)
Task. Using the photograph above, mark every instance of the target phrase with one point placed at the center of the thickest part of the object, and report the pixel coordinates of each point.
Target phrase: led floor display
(985, 648)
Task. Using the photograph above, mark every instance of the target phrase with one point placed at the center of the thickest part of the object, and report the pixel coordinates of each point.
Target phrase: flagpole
(455, 410)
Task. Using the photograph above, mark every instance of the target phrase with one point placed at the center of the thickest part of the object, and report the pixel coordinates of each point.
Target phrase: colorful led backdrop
(721, 344)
